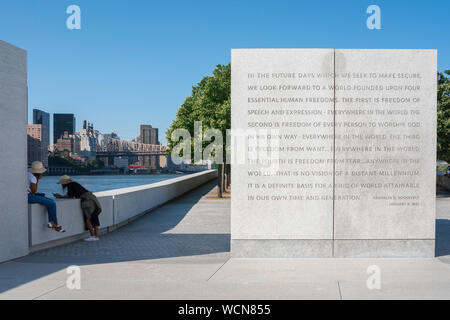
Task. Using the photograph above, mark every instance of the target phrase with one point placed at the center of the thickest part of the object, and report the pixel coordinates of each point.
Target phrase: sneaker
(97, 238)
(90, 239)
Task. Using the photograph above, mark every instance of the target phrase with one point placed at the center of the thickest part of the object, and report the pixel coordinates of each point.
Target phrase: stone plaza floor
(181, 251)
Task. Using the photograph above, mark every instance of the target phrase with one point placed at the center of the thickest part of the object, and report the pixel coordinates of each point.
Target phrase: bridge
(129, 153)
(122, 148)
(116, 148)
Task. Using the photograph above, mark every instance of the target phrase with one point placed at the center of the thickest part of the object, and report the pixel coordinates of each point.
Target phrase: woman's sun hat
(37, 167)
(64, 180)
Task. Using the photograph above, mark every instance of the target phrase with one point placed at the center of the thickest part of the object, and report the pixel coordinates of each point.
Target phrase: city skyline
(87, 143)
(41, 117)
(146, 77)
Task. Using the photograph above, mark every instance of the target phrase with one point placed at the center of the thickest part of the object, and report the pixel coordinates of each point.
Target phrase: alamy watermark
(374, 20)
(374, 280)
(73, 281)
(73, 22)
(249, 146)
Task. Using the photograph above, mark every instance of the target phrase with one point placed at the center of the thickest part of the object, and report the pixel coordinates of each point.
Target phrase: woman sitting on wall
(34, 175)
(89, 204)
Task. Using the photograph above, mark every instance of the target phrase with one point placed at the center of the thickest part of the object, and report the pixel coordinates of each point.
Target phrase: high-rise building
(149, 135)
(88, 140)
(37, 151)
(63, 123)
(65, 143)
(43, 118)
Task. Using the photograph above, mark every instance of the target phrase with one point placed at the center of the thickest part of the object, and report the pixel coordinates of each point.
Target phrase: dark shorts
(94, 220)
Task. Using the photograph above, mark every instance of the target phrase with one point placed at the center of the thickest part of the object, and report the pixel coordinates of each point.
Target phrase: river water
(48, 185)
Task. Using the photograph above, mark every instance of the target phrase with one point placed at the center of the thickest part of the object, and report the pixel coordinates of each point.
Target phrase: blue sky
(135, 61)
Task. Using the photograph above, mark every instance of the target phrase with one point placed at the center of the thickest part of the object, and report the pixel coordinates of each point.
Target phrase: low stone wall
(130, 202)
(70, 217)
(118, 208)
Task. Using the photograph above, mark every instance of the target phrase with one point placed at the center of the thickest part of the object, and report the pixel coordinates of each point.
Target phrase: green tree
(95, 164)
(210, 103)
(62, 159)
(443, 116)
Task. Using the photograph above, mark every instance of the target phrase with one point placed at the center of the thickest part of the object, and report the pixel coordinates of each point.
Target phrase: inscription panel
(286, 98)
(340, 146)
(385, 144)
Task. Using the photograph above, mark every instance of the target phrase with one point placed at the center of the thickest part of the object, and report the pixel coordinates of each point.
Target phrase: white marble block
(289, 93)
(352, 140)
(13, 154)
(385, 151)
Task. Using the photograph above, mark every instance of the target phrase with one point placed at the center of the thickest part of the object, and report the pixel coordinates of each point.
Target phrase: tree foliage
(61, 159)
(443, 116)
(209, 102)
(95, 164)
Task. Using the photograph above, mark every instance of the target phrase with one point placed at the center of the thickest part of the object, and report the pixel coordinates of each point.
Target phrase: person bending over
(35, 174)
(89, 204)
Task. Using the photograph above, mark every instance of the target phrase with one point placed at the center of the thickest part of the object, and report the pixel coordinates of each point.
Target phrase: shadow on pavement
(442, 192)
(442, 237)
(143, 239)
